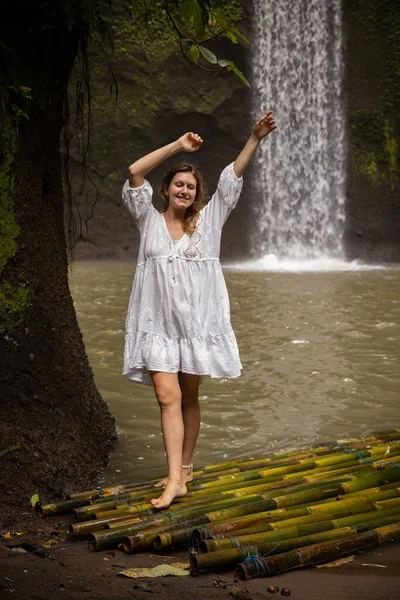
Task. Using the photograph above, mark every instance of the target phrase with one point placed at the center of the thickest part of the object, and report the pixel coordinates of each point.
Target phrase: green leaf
(224, 63)
(186, 9)
(35, 500)
(194, 53)
(231, 36)
(197, 20)
(236, 31)
(239, 74)
(208, 55)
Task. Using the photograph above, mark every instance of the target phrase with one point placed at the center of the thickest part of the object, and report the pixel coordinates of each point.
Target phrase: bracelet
(187, 466)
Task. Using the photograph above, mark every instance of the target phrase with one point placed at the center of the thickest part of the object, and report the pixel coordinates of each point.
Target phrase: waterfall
(300, 169)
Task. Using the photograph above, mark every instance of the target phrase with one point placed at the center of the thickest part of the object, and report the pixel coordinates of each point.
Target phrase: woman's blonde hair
(192, 212)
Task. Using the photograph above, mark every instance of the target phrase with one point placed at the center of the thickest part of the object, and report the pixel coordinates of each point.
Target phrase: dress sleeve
(138, 200)
(226, 196)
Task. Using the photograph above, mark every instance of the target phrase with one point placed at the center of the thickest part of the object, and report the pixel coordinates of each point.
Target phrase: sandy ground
(73, 572)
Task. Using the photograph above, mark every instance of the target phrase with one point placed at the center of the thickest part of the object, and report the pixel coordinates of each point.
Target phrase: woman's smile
(182, 188)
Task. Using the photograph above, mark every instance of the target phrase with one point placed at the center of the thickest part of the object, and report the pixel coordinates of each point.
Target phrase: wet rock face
(372, 93)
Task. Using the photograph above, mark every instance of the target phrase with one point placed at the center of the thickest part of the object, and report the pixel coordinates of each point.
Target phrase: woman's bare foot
(172, 490)
(162, 483)
(186, 476)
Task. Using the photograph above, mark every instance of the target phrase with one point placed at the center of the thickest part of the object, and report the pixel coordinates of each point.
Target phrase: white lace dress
(178, 317)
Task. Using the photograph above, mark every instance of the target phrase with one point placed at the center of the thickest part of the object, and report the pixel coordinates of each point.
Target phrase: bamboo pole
(270, 502)
(230, 557)
(59, 508)
(317, 553)
(212, 545)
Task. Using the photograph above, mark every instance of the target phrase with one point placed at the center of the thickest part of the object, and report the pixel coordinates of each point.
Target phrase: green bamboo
(231, 556)
(59, 508)
(375, 443)
(378, 518)
(212, 545)
(353, 504)
(241, 522)
(386, 504)
(173, 539)
(374, 490)
(98, 524)
(306, 556)
(366, 517)
(318, 553)
(101, 541)
(136, 543)
(124, 509)
(316, 475)
(273, 503)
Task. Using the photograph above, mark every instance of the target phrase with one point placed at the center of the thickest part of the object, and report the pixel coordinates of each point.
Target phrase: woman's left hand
(265, 125)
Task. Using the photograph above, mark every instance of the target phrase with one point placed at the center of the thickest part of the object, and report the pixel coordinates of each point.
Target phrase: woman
(178, 325)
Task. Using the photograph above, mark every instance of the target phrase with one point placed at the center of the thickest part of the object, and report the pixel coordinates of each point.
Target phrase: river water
(320, 351)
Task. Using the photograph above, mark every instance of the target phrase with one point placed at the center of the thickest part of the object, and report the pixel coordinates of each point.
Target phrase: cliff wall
(372, 95)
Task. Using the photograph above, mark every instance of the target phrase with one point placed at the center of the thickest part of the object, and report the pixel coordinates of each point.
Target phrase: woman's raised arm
(263, 127)
(189, 142)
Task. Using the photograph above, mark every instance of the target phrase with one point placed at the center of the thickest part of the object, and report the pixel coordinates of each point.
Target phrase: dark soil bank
(72, 572)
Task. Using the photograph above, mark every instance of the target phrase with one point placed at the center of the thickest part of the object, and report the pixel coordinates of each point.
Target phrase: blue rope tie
(361, 455)
(245, 548)
(139, 507)
(260, 564)
(189, 532)
(206, 531)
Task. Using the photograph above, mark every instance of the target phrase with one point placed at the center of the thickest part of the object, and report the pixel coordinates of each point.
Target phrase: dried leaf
(49, 543)
(35, 500)
(180, 565)
(160, 571)
(10, 534)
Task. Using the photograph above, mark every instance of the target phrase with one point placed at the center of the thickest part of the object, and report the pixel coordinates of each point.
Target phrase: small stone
(239, 594)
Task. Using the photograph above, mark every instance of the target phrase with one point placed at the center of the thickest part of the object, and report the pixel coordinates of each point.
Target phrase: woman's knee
(167, 390)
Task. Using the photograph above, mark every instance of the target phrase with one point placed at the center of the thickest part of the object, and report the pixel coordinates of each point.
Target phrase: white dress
(179, 317)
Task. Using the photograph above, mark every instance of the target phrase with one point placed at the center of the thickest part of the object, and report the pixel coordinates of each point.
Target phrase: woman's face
(182, 190)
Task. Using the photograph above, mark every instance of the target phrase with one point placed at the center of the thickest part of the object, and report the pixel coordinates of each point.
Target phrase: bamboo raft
(262, 516)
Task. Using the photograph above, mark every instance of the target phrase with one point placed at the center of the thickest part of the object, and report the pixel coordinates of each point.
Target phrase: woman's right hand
(190, 142)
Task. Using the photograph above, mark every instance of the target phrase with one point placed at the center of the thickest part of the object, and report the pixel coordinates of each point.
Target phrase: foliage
(14, 299)
(375, 148)
(20, 101)
(9, 230)
(207, 20)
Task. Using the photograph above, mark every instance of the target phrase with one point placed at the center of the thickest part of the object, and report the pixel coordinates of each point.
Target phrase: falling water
(297, 72)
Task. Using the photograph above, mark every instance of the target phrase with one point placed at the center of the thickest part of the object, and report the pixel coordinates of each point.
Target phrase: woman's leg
(189, 385)
(169, 396)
